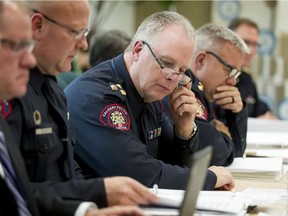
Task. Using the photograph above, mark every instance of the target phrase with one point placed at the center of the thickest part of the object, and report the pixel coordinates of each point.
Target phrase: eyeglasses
(17, 46)
(76, 34)
(183, 78)
(234, 72)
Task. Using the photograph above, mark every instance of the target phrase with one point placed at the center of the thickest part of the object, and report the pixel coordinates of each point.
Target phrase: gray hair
(157, 22)
(211, 37)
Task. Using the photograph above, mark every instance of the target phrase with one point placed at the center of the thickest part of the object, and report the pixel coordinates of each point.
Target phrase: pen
(155, 188)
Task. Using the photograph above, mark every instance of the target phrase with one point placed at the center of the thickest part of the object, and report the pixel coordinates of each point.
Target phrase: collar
(37, 79)
(135, 100)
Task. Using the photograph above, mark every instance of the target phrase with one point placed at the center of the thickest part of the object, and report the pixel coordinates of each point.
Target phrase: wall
(270, 68)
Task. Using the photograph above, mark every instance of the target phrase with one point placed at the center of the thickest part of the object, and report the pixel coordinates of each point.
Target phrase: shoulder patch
(5, 108)
(201, 112)
(116, 116)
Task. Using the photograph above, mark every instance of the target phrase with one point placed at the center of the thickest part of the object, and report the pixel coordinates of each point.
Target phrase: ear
(137, 47)
(199, 60)
(37, 21)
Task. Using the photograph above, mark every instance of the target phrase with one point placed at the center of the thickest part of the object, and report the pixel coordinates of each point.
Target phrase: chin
(20, 92)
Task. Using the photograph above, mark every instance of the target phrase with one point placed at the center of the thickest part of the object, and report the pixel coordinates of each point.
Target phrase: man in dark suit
(16, 59)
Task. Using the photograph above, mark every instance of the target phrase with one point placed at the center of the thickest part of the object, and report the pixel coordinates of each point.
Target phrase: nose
(28, 60)
(231, 81)
(82, 44)
(173, 78)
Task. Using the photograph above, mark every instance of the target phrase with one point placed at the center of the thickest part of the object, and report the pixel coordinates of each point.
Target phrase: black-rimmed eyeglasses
(183, 78)
(17, 46)
(76, 34)
(234, 72)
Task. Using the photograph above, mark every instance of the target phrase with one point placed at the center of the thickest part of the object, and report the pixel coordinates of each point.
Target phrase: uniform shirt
(249, 94)
(40, 125)
(224, 149)
(118, 134)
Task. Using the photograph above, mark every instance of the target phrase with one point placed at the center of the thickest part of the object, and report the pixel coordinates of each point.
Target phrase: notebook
(200, 162)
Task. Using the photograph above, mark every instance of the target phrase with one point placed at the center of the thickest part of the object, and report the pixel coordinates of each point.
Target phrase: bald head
(70, 8)
(54, 22)
(12, 8)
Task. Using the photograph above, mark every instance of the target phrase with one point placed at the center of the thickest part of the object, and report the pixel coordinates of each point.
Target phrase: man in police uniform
(115, 110)
(39, 120)
(216, 65)
(249, 32)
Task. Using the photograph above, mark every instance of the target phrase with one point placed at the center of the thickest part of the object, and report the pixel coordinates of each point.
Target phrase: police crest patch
(116, 116)
(201, 110)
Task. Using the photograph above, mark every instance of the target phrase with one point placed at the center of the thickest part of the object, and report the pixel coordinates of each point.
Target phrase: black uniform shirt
(118, 134)
(249, 94)
(40, 125)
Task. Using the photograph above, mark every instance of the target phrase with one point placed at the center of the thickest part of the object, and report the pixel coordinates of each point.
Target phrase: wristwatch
(194, 130)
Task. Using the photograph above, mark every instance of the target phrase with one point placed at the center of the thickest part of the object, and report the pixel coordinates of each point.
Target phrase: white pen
(155, 188)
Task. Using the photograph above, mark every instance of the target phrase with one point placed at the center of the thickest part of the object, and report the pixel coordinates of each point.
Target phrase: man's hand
(224, 178)
(228, 97)
(127, 191)
(116, 210)
(183, 107)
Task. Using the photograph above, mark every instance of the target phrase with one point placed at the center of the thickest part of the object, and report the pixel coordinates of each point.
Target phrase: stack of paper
(268, 152)
(208, 203)
(264, 168)
(267, 132)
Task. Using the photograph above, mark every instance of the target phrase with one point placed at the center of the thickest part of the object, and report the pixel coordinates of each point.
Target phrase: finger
(180, 91)
(183, 100)
(142, 194)
(186, 108)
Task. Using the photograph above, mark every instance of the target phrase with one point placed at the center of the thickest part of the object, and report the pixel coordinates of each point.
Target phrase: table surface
(275, 209)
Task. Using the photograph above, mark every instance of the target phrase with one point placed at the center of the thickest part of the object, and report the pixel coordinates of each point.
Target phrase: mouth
(164, 87)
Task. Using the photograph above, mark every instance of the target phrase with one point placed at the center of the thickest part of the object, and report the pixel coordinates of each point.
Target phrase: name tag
(41, 131)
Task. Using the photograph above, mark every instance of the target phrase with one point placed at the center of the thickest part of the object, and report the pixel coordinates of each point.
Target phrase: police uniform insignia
(118, 87)
(123, 92)
(116, 116)
(154, 133)
(201, 110)
(250, 100)
(114, 87)
(5, 108)
(37, 117)
(200, 86)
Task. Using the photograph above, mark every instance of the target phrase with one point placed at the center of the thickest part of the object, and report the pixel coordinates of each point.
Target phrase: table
(275, 209)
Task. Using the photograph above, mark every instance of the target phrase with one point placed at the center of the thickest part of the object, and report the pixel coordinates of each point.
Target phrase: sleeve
(56, 206)
(110, 151)
(260, 107)
(84, 207)
(81, 190)
(237, 124)
(223, 154)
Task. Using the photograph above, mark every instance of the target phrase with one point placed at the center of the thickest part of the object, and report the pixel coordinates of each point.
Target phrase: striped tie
(10, 178)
